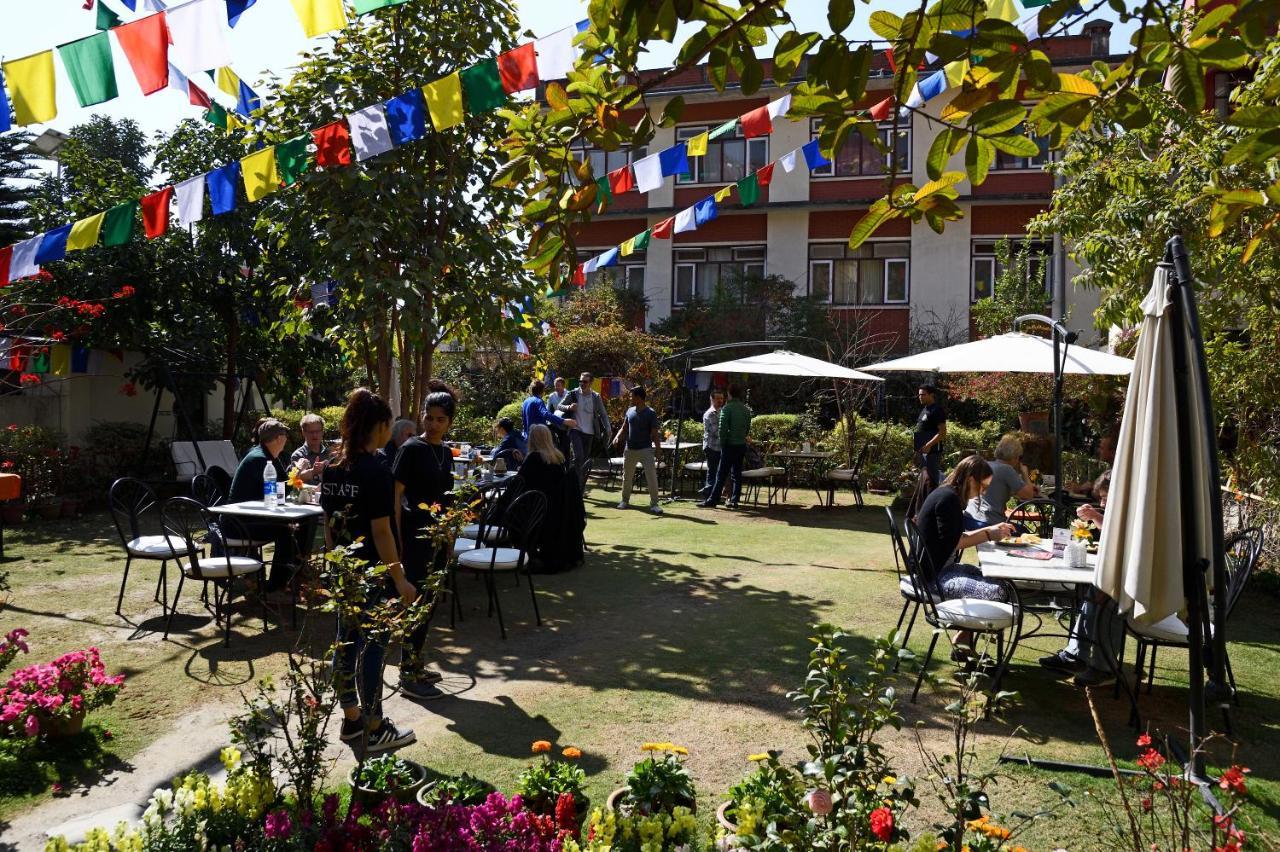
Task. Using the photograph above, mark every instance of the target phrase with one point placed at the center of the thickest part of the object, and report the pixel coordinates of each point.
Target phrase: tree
(1021, 287)
(17, 186)
(421, 245)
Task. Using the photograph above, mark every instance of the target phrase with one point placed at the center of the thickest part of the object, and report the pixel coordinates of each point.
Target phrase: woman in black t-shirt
(423, 471)
(557, 544)
(358, 497)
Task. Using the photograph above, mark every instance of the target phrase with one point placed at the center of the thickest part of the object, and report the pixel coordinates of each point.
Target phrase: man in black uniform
(931, 431)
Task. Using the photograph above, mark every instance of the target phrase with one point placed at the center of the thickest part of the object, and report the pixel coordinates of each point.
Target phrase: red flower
(6, 465)
(1144, 741)
(1146, 804)
(566, 814)
(1151, 760)
(1233, 780)
(882, 824)
(18, 311)
(59, 335)
(29, 379)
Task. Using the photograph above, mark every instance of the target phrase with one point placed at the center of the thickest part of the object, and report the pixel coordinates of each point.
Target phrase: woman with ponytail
(358, 497)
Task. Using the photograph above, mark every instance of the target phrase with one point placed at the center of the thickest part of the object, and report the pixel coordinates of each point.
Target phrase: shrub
(659, 783)
(513, 410)
(691, 431)
(72, 684)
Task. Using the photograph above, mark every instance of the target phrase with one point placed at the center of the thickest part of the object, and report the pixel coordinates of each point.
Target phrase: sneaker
(1093, 677)
(388, 738)
(708, 504)
(1063, 662)
(420, 687)
(624, 505)
(352, 730)
(733, 504)
(655, 510)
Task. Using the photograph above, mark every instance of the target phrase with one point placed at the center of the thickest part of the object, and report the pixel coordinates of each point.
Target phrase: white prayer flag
(190, 197)
(780, 107)
(198, 32)
(369, 132)
(178, 81)
(686, 221)
(788, 161)
(23, 263)
(648, 173)
(556, 54)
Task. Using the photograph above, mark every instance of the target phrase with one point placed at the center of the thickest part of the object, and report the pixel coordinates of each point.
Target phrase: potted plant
(542, 785)
(658, 784)
(387, 775)
(772, 794)
(461, 789)
(52, 699)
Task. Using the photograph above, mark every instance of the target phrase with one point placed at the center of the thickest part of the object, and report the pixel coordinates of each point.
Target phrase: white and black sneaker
(388, 738)
(422, 686)
(352, 730)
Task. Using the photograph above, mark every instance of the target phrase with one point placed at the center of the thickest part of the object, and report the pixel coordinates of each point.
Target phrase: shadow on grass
(30, 767)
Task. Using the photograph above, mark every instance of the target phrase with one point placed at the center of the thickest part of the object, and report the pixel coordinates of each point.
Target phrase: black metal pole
(1059, 364)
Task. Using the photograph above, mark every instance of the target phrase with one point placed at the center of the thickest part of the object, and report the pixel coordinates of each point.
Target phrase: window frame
(904, 261)
(687, 261)
(580, 147)
(1015, 242)
(883, 128)
(625, 266)
(697, 172)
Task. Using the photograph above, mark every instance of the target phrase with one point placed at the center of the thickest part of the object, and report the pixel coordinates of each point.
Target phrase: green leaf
(978, 155)
(672, 111)
(879, 213)
(839, 14)
(1211, 20)
(1187, 79)
(941, 150)
(999, 117)
(790, 50)
(1226, 53)
(1015, 145)
(885, 24)
(947, 180)
(718, 68)
(1061, 107)
(752, 74)
(1261, 117)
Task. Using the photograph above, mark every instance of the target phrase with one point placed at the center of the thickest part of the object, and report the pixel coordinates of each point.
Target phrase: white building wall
(787, 249)
(657, 277)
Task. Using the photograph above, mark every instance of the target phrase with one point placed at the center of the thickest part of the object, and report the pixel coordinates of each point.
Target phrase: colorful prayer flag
(155, 212)
(648, 173)
(697, 146)
(788, 161)
(117, 224)
(145, 43)
(749, 190)
(579, 276)
(444, 101)
(60, 359)
(780, 107)
(813, 156)
(107, 19)
(518, 69)
(333, 144)
(53, 245)
(727, 127)
(764, 175)
(6, 123)
(662, 230)
(190, 196)
(705, 211)
(84, 234)
(1003, 10)
(686, 220)
(628, 247)
(32, 88)
(556, 54)
(757, 122)
(723, 193)
(674, 160)
(482, 87)
(235, 8)
(621, 180)
(641, 240)
(609, 258)
(260, 175)
(222, 188)
(90, 68)
(198, 33)
(369, 132)
(882, 110)
(319, 16)
(364, 7)
(293, 159)
(926, 89)
(23, 262)
(407, 117)
(79, 359)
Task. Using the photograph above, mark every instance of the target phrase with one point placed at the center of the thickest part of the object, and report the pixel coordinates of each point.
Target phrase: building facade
(905, 279)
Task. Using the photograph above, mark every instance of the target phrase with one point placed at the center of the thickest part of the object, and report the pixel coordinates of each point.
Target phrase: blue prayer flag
(248, 100)
(813, 157)
(609, 258)
(704, 211)
(407, 116)
(933, 85)
(5, 121)
(222, 185)
(131, 5)
(53, 246)
(79, 359)
(236, 8)
(674, 160)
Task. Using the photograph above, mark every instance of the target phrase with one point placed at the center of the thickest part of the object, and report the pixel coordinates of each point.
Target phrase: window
(728, 160)
(602, 161)
(1224, 83)
(860, 157)
(985, 266)
(875, 273)
(628, 274)
(1008, 162)
(701, 272)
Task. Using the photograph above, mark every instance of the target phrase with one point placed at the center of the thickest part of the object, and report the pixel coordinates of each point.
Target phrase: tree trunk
(232, 349)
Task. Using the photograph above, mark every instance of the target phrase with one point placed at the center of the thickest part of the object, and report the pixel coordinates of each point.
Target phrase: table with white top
(809, 459)
(1041, 575)
(295, 515)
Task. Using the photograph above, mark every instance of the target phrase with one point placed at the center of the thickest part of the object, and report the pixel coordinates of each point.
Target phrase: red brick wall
(999, 219)
(609, 232)
(836, 225)
(1015, 183)
(885, 327)
(847, 189)
(721, 109)
(745, 228)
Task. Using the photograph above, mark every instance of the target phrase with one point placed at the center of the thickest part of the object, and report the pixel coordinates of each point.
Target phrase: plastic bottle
(269, 486)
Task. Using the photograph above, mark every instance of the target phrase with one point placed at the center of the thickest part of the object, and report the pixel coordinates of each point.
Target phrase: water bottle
(269, 486)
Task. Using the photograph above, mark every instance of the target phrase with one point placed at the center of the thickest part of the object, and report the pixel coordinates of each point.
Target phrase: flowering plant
(659, 783)
(447, 520)
(542, 785)
(768, 802)
(676, 831)
(11, 645)
(385, 773)
(73, 684)
(1082, 530)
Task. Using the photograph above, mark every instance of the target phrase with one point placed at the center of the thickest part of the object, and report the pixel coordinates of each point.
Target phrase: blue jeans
(1097, 634)
(933, 464)
(731, 458)
(353, 644)
(713, 467)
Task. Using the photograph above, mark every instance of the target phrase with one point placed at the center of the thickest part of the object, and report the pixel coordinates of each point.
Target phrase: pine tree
(17, 186)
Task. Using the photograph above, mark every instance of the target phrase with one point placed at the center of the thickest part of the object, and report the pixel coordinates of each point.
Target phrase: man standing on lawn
(734, 426)
(931, 431)
(711, 440)
(585, 406)
(556, 396)
(640, 437)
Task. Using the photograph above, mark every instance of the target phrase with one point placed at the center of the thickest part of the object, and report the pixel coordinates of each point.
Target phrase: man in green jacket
(735, 423)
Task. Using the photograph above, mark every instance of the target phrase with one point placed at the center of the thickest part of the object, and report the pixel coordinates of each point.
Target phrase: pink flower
(278, 826)
(818, 801)
(32, 725)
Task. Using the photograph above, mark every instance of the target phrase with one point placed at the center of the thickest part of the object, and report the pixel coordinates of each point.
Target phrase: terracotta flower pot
(617, 796)
(61, 727)
(405, 794)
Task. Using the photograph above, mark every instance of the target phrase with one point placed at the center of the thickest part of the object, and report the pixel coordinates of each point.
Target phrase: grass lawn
(691, 627)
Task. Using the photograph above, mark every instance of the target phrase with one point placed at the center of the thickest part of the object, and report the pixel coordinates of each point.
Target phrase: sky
(269, 39)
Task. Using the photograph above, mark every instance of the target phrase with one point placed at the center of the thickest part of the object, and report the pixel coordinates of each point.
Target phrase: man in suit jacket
(593, 428)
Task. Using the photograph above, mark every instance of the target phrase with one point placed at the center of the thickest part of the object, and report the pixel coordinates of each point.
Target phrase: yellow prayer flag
(954, 72)
(320, 16)
(32, 88)
(444, 101)
(723, 193)
(628, 247)
(1002, 10)
(60, 359)
(697, 146)
(84, 234)
(595, 385)
(261, 176)
(228, 81)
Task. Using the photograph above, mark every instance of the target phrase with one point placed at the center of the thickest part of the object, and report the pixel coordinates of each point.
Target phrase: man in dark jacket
(735, 424)
(593, 429)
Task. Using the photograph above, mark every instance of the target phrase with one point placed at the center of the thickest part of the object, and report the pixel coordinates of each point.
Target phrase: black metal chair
(189, 522)
(221, 477)
(205, 490)
(911, 596)
(135, 512)
(1039, 516)
(852, 476)
(521, 519)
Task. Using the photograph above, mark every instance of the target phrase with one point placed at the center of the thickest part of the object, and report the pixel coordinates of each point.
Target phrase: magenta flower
(278, 826)
(31, 726)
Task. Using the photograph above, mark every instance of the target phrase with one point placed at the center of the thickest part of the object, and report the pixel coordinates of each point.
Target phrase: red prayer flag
(155, 212)
(621, 180)
(580, 276)
(333, 144)
(757, 123)
(518, 69)
(6, 257)
(146, 44)
(881, 110)
(764, 175)
(888, 54)
(664, 229)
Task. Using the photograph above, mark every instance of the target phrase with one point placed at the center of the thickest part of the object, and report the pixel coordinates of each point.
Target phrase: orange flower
(572, 753)
(541, 747)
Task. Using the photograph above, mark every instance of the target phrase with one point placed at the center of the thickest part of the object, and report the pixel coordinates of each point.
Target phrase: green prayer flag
(364, 7)
(40, 362)
(749, 190)
(117, 224)
(89, 65)
(604, 195)
(727, 127)
(641, 241)
(293, 159)
(1031, 4)
(106, 18)
(482, 87)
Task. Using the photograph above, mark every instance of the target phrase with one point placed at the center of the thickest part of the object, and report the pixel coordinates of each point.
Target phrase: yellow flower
(651, 746)
(680, 750)
(889, 779)
(756, 758)
(541, 747)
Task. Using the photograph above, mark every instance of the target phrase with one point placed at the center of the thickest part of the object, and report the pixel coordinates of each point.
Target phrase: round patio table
(808, 459)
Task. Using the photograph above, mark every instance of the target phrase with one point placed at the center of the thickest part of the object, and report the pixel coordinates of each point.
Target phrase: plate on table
(1019, 540)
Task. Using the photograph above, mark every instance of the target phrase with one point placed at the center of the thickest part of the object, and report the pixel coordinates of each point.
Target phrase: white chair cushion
(697, 467)
(974, 614)
(462, 545)
(164, 546)
(225, 566)
(506, 560)
(1171, 629)
(763, 473)
(616, 461)
(907, 589)
(840, 475)
(491, 536)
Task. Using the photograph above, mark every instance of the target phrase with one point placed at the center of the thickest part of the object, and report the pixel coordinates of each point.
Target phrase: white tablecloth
(998, 563)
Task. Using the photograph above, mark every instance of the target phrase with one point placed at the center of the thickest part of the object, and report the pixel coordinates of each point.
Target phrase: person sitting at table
(357, 494)
(557, 545)
(1009, 478)
(269, 436)
(423, 471)
(511, 446)
(401, 431)
(309, 459)
(942, 536)
(1093, 647)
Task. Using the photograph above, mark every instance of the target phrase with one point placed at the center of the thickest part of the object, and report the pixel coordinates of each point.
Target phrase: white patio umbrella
(1014, 352)
(784, 363)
